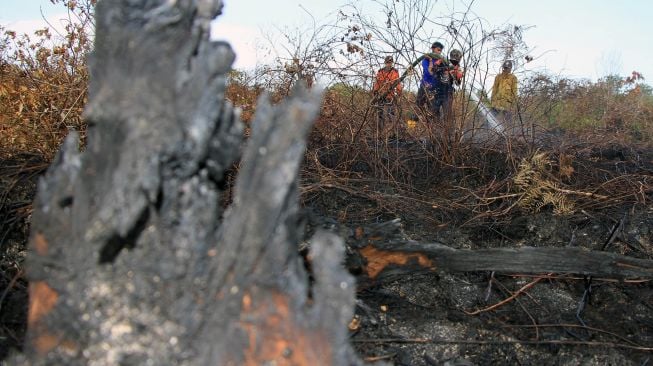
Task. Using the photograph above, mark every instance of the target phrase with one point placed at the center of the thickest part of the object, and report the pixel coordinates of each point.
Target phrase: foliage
(612, 106)
(43, 83)
(243, 93)
(537, 187)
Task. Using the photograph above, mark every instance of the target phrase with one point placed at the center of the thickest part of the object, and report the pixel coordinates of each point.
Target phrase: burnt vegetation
(297, 224)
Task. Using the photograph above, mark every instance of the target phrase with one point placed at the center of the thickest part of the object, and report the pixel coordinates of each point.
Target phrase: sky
(27, 15)
(570, 38)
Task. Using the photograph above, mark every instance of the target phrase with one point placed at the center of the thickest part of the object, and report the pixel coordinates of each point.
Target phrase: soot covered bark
(132, 258)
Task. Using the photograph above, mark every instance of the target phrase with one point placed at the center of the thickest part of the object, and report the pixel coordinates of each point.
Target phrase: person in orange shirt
(387, 90)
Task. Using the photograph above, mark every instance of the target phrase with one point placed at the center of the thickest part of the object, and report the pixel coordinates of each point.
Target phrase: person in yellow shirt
(504, 95)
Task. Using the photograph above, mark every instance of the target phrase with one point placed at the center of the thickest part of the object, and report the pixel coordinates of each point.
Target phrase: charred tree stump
(133, 261)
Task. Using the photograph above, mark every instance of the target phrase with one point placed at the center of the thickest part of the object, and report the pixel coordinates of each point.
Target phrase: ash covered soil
(485, 318)
(476, 318)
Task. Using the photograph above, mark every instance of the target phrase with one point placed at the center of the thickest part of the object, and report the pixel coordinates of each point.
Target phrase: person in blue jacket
(429, 84)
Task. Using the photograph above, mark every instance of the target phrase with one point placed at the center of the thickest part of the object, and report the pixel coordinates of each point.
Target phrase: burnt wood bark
(132, 259)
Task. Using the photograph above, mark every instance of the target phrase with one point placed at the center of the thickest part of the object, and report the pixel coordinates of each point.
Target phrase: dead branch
(507, 300)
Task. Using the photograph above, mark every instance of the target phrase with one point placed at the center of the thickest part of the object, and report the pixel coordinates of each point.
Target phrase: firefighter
(386, 91)
(504, 95)
(428, 85)
(447, 75)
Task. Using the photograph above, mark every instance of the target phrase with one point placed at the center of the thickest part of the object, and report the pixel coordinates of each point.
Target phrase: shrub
(43, 84)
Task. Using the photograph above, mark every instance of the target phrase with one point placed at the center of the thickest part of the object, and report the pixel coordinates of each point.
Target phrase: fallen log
(378, 260)
(132, 259)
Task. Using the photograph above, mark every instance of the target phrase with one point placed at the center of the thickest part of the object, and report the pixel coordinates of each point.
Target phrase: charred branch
(379, 260)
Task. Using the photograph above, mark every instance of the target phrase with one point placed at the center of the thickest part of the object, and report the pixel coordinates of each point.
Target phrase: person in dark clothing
(428, 85)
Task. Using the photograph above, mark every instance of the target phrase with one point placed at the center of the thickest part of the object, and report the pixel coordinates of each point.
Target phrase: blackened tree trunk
(132, 260)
